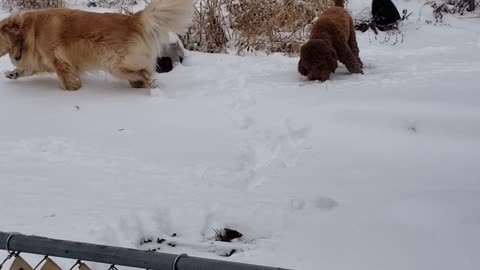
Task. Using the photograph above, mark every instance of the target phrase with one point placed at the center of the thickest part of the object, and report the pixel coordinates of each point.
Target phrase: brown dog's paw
(356, 69)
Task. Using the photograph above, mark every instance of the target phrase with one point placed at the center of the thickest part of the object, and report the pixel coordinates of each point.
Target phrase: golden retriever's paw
(138, 84)
(12, 74)
(141, 84)
(72, 86)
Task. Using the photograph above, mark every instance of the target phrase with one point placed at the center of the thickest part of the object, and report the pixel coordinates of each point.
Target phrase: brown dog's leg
(67, 74)
(346, 56)
(352, 42)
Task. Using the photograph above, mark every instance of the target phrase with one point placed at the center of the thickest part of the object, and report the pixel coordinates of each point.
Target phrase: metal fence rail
(116, 255)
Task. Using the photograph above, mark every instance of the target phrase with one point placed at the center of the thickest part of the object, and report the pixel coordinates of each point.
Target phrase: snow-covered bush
(441, 7)
(111, 3)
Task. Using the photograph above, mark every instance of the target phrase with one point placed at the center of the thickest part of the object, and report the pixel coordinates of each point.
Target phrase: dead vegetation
(13, 5)
(459, 7)
(248, 26)
(122, 4)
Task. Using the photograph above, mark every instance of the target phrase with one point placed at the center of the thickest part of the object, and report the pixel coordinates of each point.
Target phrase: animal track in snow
(269, 148)
(319, 202)
(443, 210)
(478, 40)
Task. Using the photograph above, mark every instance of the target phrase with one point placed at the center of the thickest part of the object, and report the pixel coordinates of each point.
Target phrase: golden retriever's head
(317, 60)
(11, 38)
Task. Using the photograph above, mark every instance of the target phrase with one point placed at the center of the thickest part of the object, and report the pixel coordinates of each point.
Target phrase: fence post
(471, 5)
(116, 255)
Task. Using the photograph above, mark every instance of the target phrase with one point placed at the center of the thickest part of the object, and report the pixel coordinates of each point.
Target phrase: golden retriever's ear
(14, 32)
(17, 49)
(12, 28)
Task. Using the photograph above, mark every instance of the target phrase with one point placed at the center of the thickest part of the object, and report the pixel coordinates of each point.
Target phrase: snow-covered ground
(375, 171)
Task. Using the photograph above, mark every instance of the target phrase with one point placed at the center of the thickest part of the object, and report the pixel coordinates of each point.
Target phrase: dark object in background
(164, 64)
(385, 15)
(365, 25)
(471, 5)
(227, 235)
(173, 54)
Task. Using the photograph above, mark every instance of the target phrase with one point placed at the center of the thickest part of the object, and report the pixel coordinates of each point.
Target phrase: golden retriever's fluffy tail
(339, 3)
(163, 16)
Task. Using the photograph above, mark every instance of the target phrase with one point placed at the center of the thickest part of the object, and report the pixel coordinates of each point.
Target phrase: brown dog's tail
(339, 3)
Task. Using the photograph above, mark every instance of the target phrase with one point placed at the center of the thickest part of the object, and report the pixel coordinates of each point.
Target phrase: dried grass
(12, 5)
(248, 26)
(210, 29)
(450, 7)
(121, 4)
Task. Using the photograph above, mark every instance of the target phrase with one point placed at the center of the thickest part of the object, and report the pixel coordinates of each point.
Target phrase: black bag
(385, 15)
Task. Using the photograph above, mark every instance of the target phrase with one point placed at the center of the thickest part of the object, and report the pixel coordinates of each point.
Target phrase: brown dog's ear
(332, 60)
(301, 69)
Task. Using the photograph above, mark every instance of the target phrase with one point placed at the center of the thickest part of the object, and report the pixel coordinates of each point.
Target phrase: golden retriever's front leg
(138, 84)
(17, 73)
(144, 82)
(68, 75)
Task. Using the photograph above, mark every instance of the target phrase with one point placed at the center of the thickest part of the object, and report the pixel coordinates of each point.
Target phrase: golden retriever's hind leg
(68, 75)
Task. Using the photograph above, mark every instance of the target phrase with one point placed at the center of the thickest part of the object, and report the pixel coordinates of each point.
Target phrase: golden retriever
(70, 42)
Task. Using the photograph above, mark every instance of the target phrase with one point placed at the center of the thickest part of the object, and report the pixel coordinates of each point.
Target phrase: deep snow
(374, 171)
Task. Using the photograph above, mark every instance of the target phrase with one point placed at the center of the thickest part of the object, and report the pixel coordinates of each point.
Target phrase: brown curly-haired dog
(332, 39)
